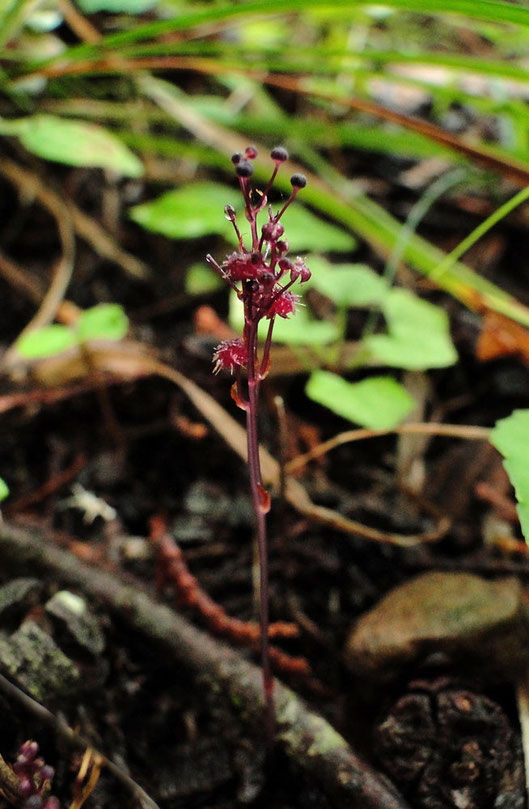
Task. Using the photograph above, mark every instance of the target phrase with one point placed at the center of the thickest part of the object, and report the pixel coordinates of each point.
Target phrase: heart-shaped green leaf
(419, 334)
(510, 436)
(347, 285)
(46, 342)
(4, 489)
(378, 403)
(106, 321)
(197, 210)
(298, 329)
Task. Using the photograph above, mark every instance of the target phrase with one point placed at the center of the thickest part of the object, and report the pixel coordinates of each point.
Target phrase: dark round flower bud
(279, 153)
(236, 158)
(250, 152)
(229, 212)
(25, 787)
(272, 231)
(244, 169)
(47, 773)
(28, 750)
(285, 265)
(298, 181)
(282, 246)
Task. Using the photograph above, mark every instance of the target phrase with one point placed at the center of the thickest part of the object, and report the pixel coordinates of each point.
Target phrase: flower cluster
(35, 777)
(261, 274)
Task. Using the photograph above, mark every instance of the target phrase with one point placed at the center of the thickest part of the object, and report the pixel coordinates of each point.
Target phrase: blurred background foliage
(372, 101)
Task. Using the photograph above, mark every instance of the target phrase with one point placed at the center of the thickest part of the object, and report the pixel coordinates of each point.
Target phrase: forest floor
(100, 462)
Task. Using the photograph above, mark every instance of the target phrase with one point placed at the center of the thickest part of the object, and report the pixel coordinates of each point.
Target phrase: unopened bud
(244, 169)
(250, 152)
(298, 181)
(236, 158)
(285, 265)
(47, 773)
(229, 212)
(25, 787)
(272, 231)
(279, 153)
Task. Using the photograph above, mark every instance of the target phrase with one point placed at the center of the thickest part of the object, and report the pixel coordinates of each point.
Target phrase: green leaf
(302, 329)
(201, 280)
(378, 403)
(4, 489)
(116, 6)
(106, 321)
(419, 334)
(188, 212)
(197, 210)
(299, 329)
(347, 284)
(305, 231)
(510, 436)
(46, 342)
(76, 143)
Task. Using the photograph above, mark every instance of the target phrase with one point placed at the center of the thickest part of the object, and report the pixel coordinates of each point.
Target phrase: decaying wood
(306, 737)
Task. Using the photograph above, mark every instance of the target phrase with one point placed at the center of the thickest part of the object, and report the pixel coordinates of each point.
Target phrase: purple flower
(260, 273)
(230, 354)
(284, 306)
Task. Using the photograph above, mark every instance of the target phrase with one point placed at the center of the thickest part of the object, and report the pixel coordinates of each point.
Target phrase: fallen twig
(85, 226)
(468, 432)
(28, 183)
(305, 737)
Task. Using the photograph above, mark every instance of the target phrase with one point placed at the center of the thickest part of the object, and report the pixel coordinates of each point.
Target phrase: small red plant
(261, 275)
(35, 777)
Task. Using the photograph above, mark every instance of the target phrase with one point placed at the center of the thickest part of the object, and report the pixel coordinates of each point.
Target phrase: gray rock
(464, 617)
(32, 657)
(78, 623)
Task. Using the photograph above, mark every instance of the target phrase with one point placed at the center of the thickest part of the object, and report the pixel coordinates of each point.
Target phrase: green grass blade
(494, 11)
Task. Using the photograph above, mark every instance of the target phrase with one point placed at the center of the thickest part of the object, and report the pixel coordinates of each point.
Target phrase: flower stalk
(261, 275)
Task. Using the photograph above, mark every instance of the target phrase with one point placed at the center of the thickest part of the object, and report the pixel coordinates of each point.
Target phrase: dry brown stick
(295, 493)
(468, 431)
(105, 246)
(27, 182)
(78, 23)
(22, 281)
(85, 227)
(306, 738)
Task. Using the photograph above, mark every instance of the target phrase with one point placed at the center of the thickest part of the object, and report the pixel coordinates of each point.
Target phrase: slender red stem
(259, 507)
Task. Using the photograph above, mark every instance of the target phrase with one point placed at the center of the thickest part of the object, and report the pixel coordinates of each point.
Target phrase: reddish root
(173, 569)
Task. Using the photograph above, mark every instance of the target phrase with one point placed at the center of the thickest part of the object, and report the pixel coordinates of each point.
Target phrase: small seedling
(261, 276)
(106, 321)
(4, 490)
